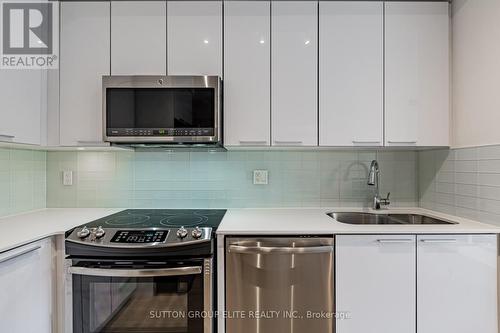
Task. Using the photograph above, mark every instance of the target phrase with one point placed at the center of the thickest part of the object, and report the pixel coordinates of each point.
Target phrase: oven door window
(138, 304)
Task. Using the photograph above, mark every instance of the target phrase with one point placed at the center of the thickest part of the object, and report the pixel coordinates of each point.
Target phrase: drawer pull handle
(253, 142)
(288, 142)
(403, 142)
(18, 254)
(438, 241)
(394, 241)
(358, 142)
(7, 138)
(93, 143)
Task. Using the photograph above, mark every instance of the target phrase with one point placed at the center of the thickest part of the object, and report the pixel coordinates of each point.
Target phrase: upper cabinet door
(417, 76)
(375, 283)
(138, 38)
(294, 73)
(247, 99)
(457, 283)
(85, 58)
(194, 37)
(23, 105)
(351, 73)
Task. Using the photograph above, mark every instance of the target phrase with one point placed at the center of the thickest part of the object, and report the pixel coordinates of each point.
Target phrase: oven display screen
(139, 236)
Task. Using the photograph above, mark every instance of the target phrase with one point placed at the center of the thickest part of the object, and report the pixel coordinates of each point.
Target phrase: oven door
(142, 297)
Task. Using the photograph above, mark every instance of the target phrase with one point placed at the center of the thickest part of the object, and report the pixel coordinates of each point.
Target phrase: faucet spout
(374, 174)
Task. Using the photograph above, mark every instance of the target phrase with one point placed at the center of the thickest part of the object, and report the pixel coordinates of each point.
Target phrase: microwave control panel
(160, 132)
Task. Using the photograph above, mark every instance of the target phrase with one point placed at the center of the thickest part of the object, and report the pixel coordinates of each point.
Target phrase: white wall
(476, 72)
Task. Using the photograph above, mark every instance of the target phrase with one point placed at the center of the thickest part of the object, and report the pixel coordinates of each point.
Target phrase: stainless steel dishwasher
(280, 285)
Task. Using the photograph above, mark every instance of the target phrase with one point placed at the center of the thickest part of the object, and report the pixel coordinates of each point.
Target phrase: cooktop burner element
(126, 220)
(184, 220)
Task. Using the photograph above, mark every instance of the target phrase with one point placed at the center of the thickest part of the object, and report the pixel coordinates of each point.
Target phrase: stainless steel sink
(363, 218)
(417, 219)
(374, 219)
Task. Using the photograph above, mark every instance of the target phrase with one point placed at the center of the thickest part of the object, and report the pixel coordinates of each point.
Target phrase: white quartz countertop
(297, 221)
(28, 227)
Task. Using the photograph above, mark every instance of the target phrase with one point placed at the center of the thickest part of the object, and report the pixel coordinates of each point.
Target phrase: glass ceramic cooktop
(162, 218)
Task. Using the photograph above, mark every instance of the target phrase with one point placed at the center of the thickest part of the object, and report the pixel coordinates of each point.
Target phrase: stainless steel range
(143, 271)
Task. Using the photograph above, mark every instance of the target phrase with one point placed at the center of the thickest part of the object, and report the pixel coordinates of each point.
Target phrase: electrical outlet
(260, 177)
(67, 178)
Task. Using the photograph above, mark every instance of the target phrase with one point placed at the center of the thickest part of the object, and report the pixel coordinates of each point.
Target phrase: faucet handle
(386, 201)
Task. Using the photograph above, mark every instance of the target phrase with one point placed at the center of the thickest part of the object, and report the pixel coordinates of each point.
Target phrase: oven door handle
(117, 272)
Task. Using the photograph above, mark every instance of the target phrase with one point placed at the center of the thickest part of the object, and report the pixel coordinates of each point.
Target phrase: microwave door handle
(110, 272)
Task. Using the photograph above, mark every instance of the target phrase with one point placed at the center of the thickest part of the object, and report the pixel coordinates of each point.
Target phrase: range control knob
(84, 233)
(99, 233)
(182, 232)
(196, 233)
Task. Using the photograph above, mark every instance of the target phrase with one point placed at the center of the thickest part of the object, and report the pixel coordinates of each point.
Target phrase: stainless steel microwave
(162, 109)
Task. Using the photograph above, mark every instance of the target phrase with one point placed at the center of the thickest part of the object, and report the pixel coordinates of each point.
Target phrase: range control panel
(139, 236)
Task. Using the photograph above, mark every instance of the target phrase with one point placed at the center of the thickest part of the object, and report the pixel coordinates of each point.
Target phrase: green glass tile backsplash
(209, 180)
(22, 180)
(463, 182)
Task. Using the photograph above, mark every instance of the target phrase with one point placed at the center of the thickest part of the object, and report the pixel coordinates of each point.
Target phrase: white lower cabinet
(423, 284)
(457, 284)
(26, 304)
(375, 283)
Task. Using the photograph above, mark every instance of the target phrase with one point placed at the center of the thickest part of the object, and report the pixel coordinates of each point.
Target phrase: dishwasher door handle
(279, 250)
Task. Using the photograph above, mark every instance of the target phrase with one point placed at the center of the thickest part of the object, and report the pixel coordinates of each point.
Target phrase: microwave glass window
(160, 107)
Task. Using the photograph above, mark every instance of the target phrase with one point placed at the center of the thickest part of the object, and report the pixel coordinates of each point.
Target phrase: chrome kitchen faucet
(374, 180)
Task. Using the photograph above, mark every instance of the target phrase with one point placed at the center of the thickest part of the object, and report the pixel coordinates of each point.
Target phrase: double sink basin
(385, 219)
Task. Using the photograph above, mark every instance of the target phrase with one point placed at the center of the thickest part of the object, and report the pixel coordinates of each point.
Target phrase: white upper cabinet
(351, 73)
(457, 284)
(417, 75)
(294, 73)
(85, 58)
(23, 105)
(138, 38)
(194, 41)
(375, 283)
(247, 100)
